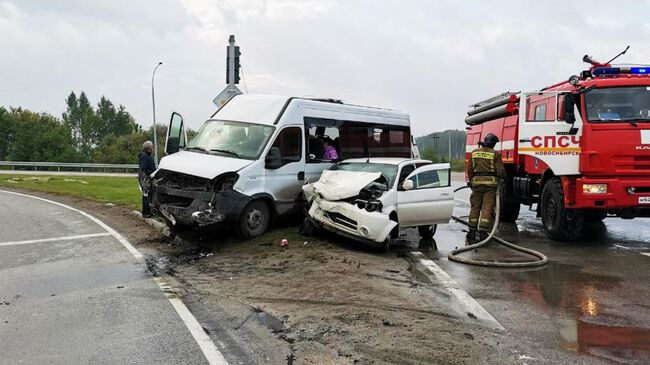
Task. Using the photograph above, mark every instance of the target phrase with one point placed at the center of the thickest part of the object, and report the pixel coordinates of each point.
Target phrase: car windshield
(618, 104)
(233, 139)
(387, 170)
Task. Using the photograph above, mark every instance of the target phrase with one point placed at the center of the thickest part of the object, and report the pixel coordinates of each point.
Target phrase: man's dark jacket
(147, 167)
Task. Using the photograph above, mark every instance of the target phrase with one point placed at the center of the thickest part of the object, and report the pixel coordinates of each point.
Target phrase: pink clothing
(330, 153)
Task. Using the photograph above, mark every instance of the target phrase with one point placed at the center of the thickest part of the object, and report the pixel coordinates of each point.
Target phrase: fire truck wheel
(560, 224)
(595, 215)
(509, 208)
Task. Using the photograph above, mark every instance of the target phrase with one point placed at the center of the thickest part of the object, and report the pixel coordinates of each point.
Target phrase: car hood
(201, 164)
(336, 185)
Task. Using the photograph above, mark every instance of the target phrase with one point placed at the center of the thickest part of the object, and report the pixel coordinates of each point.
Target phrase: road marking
(633, 250)
(55, 239)
(470, 305)
(209, 349)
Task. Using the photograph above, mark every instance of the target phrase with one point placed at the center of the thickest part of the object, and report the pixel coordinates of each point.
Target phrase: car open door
(427, 197)
(176, 135)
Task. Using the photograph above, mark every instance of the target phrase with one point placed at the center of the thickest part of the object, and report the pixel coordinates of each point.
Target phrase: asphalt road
(591, 303)
(70, 293)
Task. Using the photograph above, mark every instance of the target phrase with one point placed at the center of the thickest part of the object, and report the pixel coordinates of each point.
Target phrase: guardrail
(68, 166)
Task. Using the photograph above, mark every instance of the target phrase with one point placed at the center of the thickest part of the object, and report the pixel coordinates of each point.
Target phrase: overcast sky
(428, 58)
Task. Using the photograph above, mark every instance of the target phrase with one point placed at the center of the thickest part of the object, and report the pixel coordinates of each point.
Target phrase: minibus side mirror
(569, 105)
(273, 159)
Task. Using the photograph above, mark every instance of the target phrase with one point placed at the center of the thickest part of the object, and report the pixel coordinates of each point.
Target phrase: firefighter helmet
(490, 140)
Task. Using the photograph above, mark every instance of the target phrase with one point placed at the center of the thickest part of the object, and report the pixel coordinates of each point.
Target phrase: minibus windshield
(233, 139)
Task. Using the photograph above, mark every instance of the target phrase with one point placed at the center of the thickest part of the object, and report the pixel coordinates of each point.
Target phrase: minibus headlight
(594, 188)
(225, 182)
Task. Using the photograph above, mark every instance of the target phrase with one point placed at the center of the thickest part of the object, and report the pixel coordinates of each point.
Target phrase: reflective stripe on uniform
(484, 181)
(483, 155)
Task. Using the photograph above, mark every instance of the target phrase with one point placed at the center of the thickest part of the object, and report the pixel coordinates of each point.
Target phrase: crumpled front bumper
(350, 221)
(197, 208)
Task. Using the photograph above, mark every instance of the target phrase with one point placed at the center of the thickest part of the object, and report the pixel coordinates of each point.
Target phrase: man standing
(147, 167)
(484, 169)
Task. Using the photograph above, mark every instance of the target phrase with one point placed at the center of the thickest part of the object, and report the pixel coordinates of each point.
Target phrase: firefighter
(146, 168)
(484, 171)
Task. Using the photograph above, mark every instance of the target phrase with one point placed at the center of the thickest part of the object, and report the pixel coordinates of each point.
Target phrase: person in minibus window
(330, 150)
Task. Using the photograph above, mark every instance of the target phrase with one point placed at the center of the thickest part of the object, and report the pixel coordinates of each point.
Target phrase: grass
(118, 190)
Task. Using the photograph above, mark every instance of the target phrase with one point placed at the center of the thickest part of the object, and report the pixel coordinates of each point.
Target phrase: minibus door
(285, 168)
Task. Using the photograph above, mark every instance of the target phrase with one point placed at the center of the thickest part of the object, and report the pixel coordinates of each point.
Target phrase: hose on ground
(453, 255)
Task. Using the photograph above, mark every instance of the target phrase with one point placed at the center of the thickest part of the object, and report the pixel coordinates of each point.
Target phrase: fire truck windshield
(618, 104)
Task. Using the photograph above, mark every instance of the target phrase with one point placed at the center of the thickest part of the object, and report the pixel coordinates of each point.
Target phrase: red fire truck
(575, 151)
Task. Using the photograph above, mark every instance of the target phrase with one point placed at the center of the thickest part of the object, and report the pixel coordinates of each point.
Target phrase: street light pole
(153, 102)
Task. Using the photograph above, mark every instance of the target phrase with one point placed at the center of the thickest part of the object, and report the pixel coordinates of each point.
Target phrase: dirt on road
(321, 300)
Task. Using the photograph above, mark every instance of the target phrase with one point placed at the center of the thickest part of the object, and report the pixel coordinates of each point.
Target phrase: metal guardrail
(69, 166)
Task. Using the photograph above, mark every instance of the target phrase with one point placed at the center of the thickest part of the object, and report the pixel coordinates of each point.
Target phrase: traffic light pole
(231, 60)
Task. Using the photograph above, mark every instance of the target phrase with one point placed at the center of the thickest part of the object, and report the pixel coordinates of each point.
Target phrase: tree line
(104, 133)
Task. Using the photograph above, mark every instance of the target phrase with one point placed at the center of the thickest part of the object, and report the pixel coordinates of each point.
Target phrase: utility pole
(449, 145)
(153, 102)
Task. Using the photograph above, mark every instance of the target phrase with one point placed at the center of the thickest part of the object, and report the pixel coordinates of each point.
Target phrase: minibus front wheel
(254, 219)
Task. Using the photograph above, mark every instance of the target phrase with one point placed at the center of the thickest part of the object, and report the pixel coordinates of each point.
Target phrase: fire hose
(453, 255)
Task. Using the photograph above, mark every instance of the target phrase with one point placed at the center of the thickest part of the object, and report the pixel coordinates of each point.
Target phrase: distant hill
(438, 142)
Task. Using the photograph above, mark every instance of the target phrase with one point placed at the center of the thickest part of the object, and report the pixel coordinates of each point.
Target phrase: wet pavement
(591, 303)
(70, 294)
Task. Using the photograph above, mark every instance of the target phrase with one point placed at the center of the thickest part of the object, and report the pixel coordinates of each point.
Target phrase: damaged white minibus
(248, 162)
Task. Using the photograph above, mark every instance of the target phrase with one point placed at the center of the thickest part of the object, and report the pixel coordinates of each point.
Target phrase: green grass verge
(118, 190)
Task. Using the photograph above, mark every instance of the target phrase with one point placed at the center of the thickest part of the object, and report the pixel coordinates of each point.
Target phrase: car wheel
(307, 228)
(386, 245)
(254, 219)
(427, 231)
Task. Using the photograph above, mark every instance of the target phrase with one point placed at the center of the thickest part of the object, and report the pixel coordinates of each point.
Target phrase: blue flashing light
(605, 71)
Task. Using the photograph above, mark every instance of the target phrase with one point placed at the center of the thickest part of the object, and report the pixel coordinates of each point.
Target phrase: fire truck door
(546, 137)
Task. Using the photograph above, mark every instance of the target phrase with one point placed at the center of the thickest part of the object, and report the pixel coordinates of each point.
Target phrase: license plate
(644, 200)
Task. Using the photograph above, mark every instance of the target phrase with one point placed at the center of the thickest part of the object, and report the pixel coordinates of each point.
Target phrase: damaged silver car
(369, 200)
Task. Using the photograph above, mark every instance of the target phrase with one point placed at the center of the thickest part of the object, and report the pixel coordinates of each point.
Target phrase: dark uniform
(484, 169)
(146, 168)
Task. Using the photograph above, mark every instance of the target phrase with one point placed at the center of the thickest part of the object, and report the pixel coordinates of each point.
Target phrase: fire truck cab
(575, 151)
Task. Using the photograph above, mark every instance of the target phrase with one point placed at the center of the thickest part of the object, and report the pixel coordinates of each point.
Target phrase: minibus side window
(322, 135)
(289, 141)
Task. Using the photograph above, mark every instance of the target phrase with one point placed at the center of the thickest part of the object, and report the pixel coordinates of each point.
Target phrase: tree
(115, 122)
(90, 127)
(84, 124)
(6, 133)
(39, 137)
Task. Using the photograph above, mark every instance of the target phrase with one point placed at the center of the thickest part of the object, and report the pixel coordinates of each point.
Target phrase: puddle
(584, 324)
(274, 324)
(621, 344)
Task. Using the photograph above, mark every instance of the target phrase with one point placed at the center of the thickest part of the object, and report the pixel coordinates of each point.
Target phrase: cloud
(430, 59)
(216, 16)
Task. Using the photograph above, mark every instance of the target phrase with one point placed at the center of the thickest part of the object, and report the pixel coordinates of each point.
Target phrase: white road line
(209, 349)
(633, 250)
(55, 239)
(470, 305)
